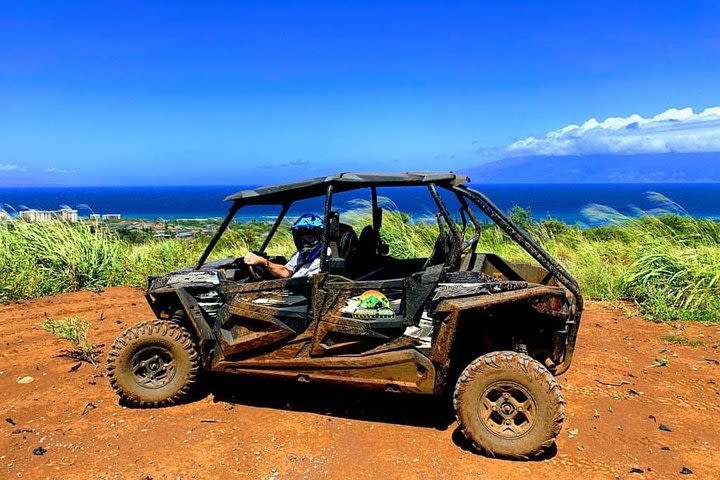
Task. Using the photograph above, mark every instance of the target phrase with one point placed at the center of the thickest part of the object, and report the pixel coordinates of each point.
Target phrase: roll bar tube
(326, 228)
(275, 226)
(444, 211)
(213, 241)
(450, 222)
(522, 238)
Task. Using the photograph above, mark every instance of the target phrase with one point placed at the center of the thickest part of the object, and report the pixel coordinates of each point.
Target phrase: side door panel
(356, 317)
(261, 315)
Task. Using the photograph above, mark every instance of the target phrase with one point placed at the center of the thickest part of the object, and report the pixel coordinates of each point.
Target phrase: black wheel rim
(507, 409)
(153, 367)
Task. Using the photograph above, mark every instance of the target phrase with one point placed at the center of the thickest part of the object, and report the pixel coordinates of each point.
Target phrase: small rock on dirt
(75, 367)
(685, 471)
(637, 470)
(666, 448)
(88, 406)
(665, 428)
(25, 380)
(39, 451)
(10, 421)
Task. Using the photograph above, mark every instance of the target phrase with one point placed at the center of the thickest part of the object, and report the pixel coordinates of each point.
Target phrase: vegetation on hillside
(664, 260)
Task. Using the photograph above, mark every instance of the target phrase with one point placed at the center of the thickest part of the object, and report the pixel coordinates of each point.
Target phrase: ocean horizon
(564, 202)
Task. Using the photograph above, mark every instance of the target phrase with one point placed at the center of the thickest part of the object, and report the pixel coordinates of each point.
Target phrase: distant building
(4, 216)
(95, 216)
(64, 214)
(35, 215)
(185, 235)
(111, 216)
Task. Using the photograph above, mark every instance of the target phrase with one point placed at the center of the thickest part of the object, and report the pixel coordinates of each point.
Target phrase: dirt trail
(270, 430)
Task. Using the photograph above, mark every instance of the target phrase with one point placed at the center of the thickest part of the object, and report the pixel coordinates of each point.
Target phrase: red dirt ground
(275, 430)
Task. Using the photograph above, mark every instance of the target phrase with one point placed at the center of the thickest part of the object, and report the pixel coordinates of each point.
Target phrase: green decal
(373, 304)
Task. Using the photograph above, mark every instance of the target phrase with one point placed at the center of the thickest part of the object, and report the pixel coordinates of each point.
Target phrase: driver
(307, 234)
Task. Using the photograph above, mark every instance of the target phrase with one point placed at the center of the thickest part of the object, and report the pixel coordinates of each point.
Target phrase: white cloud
(6, 167)
(675, 130)
(56, 170)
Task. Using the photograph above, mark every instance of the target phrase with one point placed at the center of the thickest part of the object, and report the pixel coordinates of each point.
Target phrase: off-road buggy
(490, 333)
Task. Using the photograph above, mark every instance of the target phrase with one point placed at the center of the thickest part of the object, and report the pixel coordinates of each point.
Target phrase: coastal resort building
(64, 215)
(96, 217)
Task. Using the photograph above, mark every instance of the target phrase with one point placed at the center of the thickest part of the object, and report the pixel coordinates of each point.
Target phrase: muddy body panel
(333, 329)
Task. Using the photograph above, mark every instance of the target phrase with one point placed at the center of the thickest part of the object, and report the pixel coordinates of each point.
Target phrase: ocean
(565, 202)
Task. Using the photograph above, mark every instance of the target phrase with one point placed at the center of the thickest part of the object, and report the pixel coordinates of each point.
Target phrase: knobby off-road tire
(509, 405)
(153, 364)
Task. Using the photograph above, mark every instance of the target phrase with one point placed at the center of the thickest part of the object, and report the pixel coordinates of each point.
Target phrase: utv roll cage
(286, 194)
(457, 184)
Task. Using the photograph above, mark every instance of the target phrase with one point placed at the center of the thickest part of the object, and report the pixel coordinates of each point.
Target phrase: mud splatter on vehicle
(464, 322)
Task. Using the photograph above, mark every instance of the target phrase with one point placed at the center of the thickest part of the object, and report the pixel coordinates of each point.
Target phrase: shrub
(75, 330)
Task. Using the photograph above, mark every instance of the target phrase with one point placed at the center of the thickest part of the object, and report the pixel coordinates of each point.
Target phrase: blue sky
(123, 93)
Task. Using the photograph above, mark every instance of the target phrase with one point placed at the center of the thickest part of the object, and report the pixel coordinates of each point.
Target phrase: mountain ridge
(638, 168)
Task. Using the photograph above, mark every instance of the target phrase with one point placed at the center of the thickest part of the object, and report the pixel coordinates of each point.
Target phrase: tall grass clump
(673, 271)
(45, 259)
(676, 272)
(159, 257)
(74, 330)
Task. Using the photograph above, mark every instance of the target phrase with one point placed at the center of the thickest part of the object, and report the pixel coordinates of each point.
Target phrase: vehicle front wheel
(153, 364)
(508, 404)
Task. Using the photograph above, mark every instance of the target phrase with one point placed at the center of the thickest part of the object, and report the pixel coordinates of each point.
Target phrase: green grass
(665, 261)
(682, 340)
(45, 259)
(74, 330)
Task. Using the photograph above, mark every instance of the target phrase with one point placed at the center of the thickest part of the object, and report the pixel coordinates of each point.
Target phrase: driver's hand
(254, 259)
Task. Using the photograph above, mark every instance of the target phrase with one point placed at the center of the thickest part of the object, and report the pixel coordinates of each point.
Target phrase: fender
(450, 311)
(196, 319)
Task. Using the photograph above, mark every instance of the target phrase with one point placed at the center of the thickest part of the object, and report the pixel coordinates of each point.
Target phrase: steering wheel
(249, 272)
(257, 272)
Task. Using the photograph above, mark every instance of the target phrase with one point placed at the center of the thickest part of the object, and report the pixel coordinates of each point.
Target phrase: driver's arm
(277, 270)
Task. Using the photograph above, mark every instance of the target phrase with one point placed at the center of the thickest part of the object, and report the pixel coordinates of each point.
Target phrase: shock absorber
(178, 317)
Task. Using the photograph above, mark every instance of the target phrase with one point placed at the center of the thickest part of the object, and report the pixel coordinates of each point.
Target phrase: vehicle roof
(288, 192)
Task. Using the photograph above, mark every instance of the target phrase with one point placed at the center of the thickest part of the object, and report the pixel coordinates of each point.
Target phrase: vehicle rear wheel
(508, 404)
(153, 364)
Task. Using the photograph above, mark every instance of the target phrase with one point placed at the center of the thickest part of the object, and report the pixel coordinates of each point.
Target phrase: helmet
(304, 227)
